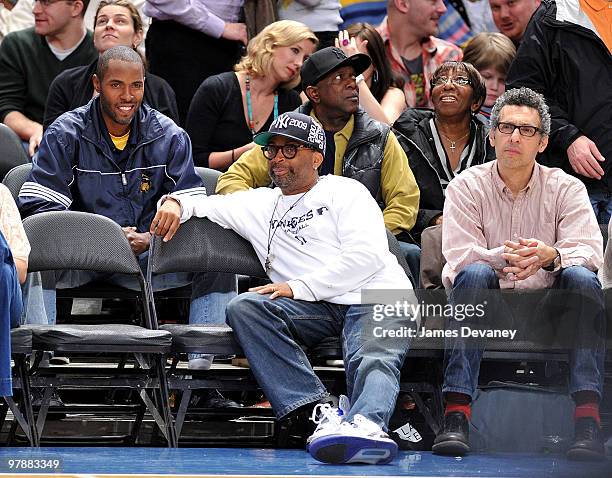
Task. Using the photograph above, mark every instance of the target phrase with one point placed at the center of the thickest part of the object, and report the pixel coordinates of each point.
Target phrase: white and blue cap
(298, 126)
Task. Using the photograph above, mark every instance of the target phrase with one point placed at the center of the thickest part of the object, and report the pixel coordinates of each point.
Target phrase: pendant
(452, 146)
(268, 263)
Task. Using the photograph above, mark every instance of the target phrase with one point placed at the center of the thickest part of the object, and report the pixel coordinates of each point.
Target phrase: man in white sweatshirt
(322, 242)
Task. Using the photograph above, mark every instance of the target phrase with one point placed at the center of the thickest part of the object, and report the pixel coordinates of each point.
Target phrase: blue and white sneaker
(361, 441)
(328, 418)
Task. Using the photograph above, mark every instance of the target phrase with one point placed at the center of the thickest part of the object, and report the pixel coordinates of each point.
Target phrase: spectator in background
(380, 93)
(117, 157)
(476, 14)
(491, 54)
(412, 50)
(190, 40)
(512, 16)
(230, 108)
(21, 16)
(30, 59)
(321, 16)
(443, 142)
(358, 146)
(566, 56)
(117, 22)
(14, 251)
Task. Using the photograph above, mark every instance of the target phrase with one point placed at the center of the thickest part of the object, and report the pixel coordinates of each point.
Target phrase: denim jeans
(473, 285)
(210, 294)
(270, 330)
(412, 253)
(10, 311)
(602, 206)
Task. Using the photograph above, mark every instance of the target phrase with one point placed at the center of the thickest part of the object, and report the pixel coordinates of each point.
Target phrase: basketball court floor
(86, 462)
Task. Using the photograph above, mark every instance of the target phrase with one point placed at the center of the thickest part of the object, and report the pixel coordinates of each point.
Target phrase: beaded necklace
(250, 105)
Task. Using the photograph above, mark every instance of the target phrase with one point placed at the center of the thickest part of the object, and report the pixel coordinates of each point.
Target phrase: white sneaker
(328, 418)
(361, 441)
(202, 363)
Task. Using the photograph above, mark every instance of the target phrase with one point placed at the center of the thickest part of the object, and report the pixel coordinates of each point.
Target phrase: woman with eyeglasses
(116, 23)
(443, 142)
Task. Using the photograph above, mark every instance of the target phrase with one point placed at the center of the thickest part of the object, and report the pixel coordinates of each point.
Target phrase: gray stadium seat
(75, 240)
(15, 178)
(11, 151)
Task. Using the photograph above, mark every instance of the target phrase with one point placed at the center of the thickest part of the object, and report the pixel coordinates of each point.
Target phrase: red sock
(588, 410)
(456, 407)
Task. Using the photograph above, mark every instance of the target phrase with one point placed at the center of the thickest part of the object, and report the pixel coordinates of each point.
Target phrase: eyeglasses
(457, 80)
(525, 130)
(289, 150)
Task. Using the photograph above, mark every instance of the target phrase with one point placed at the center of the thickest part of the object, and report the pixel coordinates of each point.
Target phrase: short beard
(106, 108)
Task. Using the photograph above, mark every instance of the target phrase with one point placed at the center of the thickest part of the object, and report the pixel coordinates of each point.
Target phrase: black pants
(185, 58)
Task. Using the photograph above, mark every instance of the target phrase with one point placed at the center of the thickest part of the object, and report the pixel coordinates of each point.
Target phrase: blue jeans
(412, 253)
(473, 285)
(210, 294)
(10, 312)
(270, 330)
(602, 206)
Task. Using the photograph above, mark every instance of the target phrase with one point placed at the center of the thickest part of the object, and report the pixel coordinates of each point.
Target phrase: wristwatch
(555, 264)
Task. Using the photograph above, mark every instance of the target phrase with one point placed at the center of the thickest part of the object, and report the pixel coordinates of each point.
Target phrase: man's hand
(584, 156)
(35, 140)
(526, 257)
(139, 241)
(167, 219)
(279, 289)
(235, 31)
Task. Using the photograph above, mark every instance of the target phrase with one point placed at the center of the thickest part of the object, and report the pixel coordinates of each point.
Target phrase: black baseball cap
(329, 59)
(298, 126)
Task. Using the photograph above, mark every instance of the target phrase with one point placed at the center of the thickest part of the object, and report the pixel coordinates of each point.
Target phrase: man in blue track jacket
(116, 157)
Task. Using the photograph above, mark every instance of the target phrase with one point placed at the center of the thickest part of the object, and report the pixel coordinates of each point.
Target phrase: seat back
(71, 240)
(209, 178)
(15, 178)
(11, 151)
(201, 245)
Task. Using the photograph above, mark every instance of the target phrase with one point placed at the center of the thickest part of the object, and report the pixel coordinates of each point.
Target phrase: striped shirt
(480, 213)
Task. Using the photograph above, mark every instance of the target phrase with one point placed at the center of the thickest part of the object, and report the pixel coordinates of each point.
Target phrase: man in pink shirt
(514, 224)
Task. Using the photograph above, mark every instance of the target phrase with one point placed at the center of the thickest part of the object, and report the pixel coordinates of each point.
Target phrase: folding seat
(11, 150)
(21, 348)
(69, 240)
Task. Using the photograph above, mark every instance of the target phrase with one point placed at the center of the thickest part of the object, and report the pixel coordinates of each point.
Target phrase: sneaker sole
(451, 448)
(347, 449)
(582, 454)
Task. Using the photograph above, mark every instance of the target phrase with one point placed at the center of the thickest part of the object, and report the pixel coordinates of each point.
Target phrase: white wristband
(359, 78)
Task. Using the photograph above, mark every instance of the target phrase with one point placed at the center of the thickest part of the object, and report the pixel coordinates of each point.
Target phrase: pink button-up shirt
(480, 213)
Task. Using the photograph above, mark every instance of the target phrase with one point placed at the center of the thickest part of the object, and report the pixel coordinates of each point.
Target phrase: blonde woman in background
(229, 108)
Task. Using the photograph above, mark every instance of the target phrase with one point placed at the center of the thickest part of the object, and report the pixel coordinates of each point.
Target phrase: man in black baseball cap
(322, 243)
(294, 146)
(326, 60)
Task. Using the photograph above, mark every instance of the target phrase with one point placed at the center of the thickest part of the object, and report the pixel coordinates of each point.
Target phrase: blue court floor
(90, 462)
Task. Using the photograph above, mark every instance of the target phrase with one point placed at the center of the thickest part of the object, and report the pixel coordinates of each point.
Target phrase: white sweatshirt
(329, 246)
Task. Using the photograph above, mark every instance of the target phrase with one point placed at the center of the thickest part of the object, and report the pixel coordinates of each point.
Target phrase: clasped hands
(526, 257)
